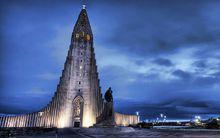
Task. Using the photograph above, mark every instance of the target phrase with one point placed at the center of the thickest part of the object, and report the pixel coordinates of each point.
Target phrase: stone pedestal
(107, 118)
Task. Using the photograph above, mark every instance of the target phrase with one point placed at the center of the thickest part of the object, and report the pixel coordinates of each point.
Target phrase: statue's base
(106, 123)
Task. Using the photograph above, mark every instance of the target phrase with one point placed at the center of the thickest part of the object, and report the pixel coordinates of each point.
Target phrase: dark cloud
(200, 64)
(203, 37)
(163, 62)
(163, 27)
(6, 109)
(182, 74)
(217, 75)
(205, 81)
(173, 108)
(186, 103)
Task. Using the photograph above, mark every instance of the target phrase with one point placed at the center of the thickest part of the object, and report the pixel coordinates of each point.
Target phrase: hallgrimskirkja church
(78, 101)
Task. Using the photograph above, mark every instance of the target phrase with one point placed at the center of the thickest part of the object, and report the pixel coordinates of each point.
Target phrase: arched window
(78, 106)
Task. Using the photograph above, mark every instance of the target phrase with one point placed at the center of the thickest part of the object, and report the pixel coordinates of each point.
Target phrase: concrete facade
(78, 101)
(125, 120)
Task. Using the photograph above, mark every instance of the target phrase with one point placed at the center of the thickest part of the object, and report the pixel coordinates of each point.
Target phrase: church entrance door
(77, 111)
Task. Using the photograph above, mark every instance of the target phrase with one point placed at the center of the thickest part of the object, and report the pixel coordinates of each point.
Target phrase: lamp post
(138, 117)
(165, 117)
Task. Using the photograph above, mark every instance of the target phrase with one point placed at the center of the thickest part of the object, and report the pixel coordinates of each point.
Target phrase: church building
(78, 101)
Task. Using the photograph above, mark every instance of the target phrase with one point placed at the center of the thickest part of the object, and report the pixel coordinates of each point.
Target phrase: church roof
(82, 24)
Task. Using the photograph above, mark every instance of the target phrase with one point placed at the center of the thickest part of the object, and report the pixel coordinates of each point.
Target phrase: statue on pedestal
(107, 118)
(109, 100)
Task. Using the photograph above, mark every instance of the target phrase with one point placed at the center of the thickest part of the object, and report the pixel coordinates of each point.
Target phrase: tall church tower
(79, 82)
(77, 101)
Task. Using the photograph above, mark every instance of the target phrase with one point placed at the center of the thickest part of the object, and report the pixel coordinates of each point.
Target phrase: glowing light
(157, 119)
(196, 120)
(40, 113)
(88, 117)
(65, 118)
(61, 122)
(197, 117)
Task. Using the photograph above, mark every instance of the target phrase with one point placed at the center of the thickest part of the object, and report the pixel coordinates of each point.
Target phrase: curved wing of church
(78, 101)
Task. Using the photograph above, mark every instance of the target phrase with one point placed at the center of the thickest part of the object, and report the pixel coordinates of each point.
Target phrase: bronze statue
(108, 95)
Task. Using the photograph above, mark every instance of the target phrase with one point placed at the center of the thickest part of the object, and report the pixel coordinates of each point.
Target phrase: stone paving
(125, 132)
(150, 133)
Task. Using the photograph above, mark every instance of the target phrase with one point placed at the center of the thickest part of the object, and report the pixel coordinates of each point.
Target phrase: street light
(198, 117)
(138, 117)
(157, 120)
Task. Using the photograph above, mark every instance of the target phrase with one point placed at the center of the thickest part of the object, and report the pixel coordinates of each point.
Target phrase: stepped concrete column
(4, 121)
(1, 121)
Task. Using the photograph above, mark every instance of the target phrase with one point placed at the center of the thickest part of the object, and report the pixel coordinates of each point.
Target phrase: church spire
(82, 28)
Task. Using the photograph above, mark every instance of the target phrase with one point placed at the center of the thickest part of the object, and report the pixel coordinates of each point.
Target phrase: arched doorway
(77, 111)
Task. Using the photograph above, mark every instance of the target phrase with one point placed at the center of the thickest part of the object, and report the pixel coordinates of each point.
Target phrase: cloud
(173, 108)
(163, 62)
(217, 74)
(36, 92)
(200, 64)
(48, 76)
(59, 44)
(181, 74)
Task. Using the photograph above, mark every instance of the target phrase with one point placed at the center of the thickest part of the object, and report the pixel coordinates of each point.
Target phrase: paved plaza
(125, 132)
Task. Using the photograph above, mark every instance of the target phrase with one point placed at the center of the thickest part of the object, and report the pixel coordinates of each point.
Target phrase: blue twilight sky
(158, 56)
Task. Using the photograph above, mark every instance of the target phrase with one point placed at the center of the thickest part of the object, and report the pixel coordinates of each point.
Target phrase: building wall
(125, 120)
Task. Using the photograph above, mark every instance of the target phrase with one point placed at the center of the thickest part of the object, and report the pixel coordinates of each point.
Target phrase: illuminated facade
(78, 101)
